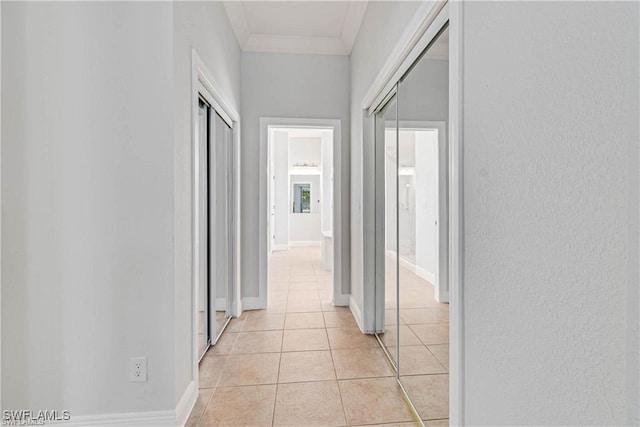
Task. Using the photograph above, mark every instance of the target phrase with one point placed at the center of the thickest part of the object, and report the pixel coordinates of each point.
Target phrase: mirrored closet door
(214, 285)
(414, 140)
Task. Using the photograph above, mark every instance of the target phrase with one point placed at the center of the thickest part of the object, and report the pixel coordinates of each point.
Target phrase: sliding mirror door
(202, 292)
(423, 110)
(412, 231)
(214, 294)
(220, 240)
(386, 210)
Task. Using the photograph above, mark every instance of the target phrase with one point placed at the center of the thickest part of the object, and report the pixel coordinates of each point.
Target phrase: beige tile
(350, 338)
(235, 324)
(441, 352)
(416, 360)
(278, 286)
(224, 345)
(326, 305)
(303, 306)
(425, 315)
(304, 321)
(414, 424)
(258, 342)
(439, 423)
(210, 370)
(302, 366)
(430, 395)
(240, 406)
(261, 321)
(250, 369)
(204, 395)
(277, 297)
(309, 404)
(361, 363)
(309, 285)
(373, 401)
(437, 333)
(305, 339)
(407, 337)
(339, 319)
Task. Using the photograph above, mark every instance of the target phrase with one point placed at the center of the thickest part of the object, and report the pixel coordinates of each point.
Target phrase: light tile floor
(301, 362)
(424, 341)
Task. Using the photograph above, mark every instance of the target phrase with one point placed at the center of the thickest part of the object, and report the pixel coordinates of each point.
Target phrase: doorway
(300, 209)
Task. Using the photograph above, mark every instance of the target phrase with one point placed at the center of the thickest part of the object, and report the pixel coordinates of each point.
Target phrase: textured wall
(550, 119)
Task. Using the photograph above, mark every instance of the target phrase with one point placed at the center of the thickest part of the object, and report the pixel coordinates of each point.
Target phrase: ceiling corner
(238, 19)
(352, 22)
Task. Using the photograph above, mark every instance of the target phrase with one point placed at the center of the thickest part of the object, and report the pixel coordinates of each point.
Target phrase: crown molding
(352, 22)
(295, 44)
(271, 43)
(238, 19)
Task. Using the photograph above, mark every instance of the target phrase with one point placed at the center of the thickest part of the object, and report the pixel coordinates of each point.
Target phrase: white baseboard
(425, 274)
(357, 313)
(407, 264)
(153, 418)
(298, 243)
(186, 404)
(221, 304)
(253, 303)
(342, 300)
(280, 248)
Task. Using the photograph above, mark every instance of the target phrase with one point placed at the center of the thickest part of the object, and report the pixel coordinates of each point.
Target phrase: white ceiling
(317, 27)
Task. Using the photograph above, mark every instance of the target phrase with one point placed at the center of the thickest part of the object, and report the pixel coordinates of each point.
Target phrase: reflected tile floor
(301, 362)
(423, 339)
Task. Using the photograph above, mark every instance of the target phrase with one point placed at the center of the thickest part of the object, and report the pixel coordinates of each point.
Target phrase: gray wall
(87, 206)
(205, 27)
(290, 86)
(550, 175)
(96, 198)
(382, 26)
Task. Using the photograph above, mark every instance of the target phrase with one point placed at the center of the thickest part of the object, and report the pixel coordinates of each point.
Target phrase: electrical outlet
(138, 369)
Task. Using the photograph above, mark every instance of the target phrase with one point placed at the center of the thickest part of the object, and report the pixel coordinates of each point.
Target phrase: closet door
(386, 223)
(220, 206)
(423, 107)
(202, 293)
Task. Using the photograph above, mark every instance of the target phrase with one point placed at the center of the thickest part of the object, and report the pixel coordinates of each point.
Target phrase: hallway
(301, 362)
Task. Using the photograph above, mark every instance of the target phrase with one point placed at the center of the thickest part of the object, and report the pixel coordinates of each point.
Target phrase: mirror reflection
(416, 330)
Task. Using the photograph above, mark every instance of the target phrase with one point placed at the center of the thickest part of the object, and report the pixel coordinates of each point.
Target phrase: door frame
(441, 287)
(339, 259)
(428, 20)
(204, 85)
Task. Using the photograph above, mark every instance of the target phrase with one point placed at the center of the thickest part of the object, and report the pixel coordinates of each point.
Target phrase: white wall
(87, 206)
(304, 150)
(326, 186)
(426, 203)
(550, 199)
(297, 86)
(281, 168)
(205, 27)
(305, 227)
(381, 28)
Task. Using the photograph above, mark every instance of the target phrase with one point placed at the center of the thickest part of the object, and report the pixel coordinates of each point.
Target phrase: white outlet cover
(138, 369)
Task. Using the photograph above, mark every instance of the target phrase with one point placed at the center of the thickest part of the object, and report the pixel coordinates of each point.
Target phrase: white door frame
(266, 123)
(203, 84)
(424, 27)
(441, 274)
